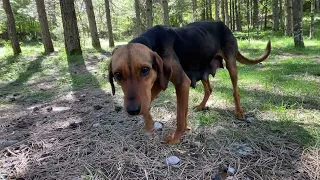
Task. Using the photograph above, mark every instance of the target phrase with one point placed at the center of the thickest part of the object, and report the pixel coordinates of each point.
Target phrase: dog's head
(136, 68)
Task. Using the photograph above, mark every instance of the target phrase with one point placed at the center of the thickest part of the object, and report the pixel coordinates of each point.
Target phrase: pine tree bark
(70, 27)
(109, 24)
(138, 18)
(12, 27)
(312, 19)
(149, 15)
(289, 25)
(297, 23)
(210, 9)
(92, 24)
(255, 18)
(194, 10)
(226, 7)
(165, 9)
(217, 12)
(275, 11)
(238, 19)
(223, 15)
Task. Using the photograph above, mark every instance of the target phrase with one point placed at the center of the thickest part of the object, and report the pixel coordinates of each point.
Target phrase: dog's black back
(195, 45)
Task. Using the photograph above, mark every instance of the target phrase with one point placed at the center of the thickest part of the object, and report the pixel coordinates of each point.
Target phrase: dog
(183, 56)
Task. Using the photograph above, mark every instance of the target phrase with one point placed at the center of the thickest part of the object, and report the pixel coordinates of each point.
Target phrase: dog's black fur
(195, 46)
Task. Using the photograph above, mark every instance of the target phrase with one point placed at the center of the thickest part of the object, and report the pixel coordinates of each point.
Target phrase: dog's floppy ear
(164, 71)
(110, 76)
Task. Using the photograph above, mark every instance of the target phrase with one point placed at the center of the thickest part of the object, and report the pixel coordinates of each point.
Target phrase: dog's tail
(245, 60)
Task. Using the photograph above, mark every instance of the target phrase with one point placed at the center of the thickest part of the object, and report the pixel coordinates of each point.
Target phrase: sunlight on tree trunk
(289, 17)
(12, 27)
(297, 23)
(109, 24)
(92, 24)
(312, 19)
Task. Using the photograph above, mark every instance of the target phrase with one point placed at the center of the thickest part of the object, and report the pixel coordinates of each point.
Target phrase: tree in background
(138, 19)
(223, 14)
(288, 17)
(312, 2)
(46, 38)
(92, 24)
(226, 7)
(255, 16)
(275, 12)
(70, 27)
(165, 11)
(297, 23)
(149, 13)
(109, 24)
(12, 31)
(217, 10)
(238, 18)
(194, 10)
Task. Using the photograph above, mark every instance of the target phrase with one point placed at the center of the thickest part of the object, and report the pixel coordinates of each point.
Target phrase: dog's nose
(133, 109)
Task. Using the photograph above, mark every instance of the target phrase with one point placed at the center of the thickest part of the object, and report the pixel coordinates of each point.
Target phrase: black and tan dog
(183, 56)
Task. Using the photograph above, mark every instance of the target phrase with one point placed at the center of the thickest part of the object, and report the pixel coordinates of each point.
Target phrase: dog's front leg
(182, 93)
(148, 122)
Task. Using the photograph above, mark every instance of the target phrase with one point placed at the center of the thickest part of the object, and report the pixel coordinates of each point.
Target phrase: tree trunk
(165, 9)
(231, 15)
(317, 6)
(223, 15)
(248, 13)
(255, 18)
(92, 24)
(275, 11)
(109, 24)
(281, 15)
(217, 18)
(70, 27)
(149, 15)
(138, 19)
(312, 19)
(266, 14)
(12, 27)
(226, 7)
(210, 8)
(194, 10)
(289, 17)
(297, 23)
(238, 19)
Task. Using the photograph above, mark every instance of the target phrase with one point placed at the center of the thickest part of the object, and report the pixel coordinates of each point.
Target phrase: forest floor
(58, 120)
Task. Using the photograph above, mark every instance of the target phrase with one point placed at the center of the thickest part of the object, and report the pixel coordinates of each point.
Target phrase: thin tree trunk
(194, 10)
(255, 18)
(289, 17)
(297, 23)
(12, 27)
(138, 18)
(70, 27)
(317, 6)
(281, 15)
(226, 7)
(266, 14)
(238, 19)
(92, 24)
(210, 8)
(109, 24)
(223, 15)
(203, 10)
(206, 9)
(149, 14)
(231, 15)
(165, 9)
(275, 11)
(248, 13)
(217, 18)
(312, 19)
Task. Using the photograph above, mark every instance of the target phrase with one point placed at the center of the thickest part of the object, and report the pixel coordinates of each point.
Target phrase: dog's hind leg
(233, 72)
(207, 93)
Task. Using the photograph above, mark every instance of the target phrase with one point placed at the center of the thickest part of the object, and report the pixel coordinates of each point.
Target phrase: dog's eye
(145, 71)
(118, 76)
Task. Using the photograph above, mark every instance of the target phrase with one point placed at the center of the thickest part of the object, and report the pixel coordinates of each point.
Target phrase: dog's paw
(172, 140)
(200, 108)
(240, 115)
